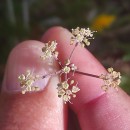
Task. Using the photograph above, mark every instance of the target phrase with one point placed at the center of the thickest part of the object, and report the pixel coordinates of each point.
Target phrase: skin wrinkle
(90, 102)
(103, 107)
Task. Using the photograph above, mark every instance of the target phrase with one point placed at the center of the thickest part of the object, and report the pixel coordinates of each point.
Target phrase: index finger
(95, 108)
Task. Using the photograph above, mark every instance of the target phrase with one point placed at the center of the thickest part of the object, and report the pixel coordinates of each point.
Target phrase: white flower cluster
(26, 82)
(49, 50)
(111, 79)
(65, 92)
(68, 67)
(82, 36)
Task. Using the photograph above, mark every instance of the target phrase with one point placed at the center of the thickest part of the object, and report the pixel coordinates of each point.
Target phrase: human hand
(95, 109)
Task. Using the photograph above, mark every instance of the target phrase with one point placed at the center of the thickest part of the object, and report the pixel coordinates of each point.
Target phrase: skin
(95, 109)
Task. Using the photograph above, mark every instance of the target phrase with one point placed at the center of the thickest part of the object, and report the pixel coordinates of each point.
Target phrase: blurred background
(29, 19)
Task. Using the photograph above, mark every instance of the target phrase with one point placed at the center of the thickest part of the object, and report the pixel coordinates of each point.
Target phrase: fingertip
(53, 32)
(25, 56)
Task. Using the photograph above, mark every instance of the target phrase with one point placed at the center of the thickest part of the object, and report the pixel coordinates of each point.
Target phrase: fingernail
(26, 56)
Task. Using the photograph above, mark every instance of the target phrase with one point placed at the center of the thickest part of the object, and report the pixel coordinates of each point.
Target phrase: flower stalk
(87, 74)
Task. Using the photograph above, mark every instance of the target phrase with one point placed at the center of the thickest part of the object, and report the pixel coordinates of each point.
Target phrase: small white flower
(82, 36)
(65, 85)
(76, 31)
(69, 67)
(66, 98)
(66, 69)
(75, 89)
(49, 50)
(73, 67)
(89, 33)
(83, 31)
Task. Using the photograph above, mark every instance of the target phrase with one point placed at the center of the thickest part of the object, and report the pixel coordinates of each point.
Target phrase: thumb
(35, 111)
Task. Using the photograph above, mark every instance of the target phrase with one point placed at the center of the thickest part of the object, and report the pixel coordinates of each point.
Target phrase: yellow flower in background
(102, 22)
